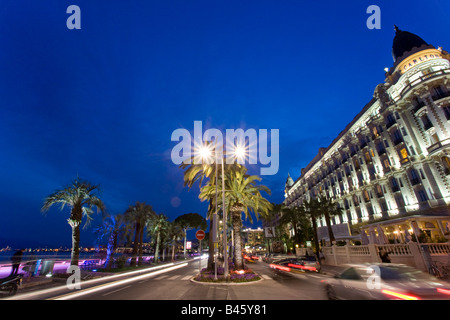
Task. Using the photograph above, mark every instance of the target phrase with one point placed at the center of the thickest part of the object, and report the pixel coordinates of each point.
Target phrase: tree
(210, 172)
(291, 216)
(190, 221)
(113, 227)
(313, 211)
(138, 214)
(81, 196)
(156, 226)
(329, 209)
(242, 195)
(176, 233)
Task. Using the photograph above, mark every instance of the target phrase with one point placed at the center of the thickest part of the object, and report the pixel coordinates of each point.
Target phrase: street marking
(115, 283)
(111, 292)
(186, 278)
(161, 277)
(266, 277)
(174, 277)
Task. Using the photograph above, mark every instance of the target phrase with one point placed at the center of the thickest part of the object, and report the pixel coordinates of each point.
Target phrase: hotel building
(390, 165)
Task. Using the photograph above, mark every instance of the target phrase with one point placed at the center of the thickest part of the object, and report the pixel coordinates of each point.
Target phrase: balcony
(439, 146)
(397, 141)
(440, 96)
(419, 107)
(390, 123)
(426, 77)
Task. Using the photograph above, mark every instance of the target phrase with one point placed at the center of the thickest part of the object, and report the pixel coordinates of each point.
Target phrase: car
(385, 281)
(270, 257)
(302, 263)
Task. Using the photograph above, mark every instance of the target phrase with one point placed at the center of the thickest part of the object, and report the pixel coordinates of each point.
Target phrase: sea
(5, 256)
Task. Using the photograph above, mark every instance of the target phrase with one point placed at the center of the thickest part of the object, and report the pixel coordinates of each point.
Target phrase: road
(174, 284)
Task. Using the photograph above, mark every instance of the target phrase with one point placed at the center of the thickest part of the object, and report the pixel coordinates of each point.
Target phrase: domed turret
(289, 181)
(404, 42)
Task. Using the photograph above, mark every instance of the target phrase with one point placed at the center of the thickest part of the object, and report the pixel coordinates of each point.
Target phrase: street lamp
(206, 153)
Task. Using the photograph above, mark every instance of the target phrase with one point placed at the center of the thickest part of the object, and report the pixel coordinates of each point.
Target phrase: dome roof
(289, 181)
(405, 41)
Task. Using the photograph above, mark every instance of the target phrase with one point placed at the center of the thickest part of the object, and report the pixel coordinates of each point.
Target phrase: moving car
(385, 281)
(302, 263)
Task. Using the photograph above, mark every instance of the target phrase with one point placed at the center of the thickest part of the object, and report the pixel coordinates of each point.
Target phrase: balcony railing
(437, 146)
(423, 78)
(418, 107)
(439, 96)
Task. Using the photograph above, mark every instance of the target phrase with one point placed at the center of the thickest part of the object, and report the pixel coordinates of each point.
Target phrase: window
(414, 177)
(397, 137)
(386, 164)
(386, 144)
(438, 93)
(447, 112)
(422, 174)
(375, 131)
(422, 195)
(403, 131)
(426, 122)
(394, 184)
(404, 153)
(446, 163)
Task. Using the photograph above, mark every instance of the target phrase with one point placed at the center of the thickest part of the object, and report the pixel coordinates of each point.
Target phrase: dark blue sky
(103, 101)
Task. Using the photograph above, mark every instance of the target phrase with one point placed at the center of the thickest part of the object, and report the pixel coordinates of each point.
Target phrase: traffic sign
(200, 235)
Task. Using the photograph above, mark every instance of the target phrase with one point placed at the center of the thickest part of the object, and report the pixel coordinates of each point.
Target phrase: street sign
(200, 235)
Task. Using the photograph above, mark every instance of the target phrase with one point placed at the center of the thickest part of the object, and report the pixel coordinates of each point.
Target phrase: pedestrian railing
(411, 253)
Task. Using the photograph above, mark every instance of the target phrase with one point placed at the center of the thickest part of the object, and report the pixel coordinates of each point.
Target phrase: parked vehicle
(10, 284)
(385, 281)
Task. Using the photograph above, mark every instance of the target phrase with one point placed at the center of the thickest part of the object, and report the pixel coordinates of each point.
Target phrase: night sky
(103, 101)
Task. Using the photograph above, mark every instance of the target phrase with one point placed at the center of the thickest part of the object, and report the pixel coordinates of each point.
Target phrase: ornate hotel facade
(390, 166)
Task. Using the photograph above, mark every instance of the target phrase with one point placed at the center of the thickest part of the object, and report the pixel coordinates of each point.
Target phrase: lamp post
(239, 152)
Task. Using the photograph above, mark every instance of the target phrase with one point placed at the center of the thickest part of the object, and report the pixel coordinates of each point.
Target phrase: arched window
(446, 163)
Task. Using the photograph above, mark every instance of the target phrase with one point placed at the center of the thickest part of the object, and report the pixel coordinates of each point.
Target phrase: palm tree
(176, 233)
(156, 226)
(114, 227)
(291, 216)
(329, 209)
(242, 195)
(81, 196)
(195, 172)
(312, 210)
(138, 214)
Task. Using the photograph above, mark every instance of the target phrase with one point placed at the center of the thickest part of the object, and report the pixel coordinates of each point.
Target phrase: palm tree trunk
(330, 230)
(185, 235)
(316, 240)
(173, 248)
(211, 246)
(140, 245)
(75, 243)
(237, 223)
(157, 247)
(110, 250)
(135, 244)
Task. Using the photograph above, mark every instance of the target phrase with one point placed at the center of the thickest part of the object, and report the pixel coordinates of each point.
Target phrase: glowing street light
(206, 154)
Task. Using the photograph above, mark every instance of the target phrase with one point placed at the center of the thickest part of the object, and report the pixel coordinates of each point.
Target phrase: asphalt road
(175, 284)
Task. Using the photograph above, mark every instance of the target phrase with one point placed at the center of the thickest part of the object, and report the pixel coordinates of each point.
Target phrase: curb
(228, 283)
